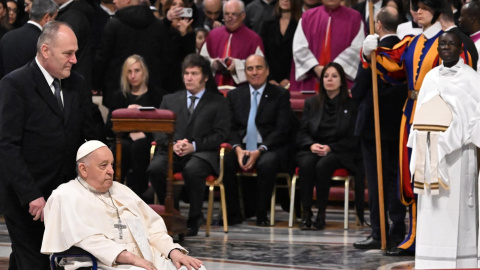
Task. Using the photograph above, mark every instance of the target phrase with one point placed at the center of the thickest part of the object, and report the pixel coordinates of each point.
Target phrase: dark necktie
(192, 105)
(58, 90)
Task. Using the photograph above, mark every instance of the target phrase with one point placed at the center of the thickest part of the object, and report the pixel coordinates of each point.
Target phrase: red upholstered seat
(340, 173)
(297, 104)
(178, 177)
(300, 95)
(135, 113)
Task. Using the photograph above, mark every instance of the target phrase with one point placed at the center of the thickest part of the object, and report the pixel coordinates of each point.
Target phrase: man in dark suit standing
(19, 46)
(45, 115)
(391, 100)
(201, 126)
(79, 14)
(258, 134)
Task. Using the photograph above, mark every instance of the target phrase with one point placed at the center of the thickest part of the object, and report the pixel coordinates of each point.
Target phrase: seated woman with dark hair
(326, 142)
(136, 145)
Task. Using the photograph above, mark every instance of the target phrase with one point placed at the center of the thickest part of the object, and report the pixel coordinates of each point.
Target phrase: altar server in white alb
(108, 220)
(444, 163)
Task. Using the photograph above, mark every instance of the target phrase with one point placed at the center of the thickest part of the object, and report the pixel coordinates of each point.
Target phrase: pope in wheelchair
(108, 220)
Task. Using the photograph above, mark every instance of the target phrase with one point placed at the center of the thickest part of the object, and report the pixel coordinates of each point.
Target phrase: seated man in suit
(259, 136)
(201, 126)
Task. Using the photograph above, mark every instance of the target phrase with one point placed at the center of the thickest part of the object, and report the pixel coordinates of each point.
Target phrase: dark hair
(196, 60)
(322, 95)
(295, 9)
(201, 29)
(388, 20)
(402, 16)
(42, 7)
(473, 9)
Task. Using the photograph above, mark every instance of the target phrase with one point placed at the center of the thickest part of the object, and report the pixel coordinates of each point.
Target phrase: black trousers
(26, 236)
(394, 209)
(316, 171)
(268, 165)
(194, 171)
(136, 156)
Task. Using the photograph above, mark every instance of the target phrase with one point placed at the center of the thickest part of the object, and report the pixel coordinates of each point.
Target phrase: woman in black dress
(326, 142)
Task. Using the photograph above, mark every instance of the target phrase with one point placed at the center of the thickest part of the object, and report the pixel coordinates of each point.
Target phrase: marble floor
(247, 246)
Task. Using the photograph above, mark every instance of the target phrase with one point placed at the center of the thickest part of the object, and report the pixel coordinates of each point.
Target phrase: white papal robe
(447, 222)
(76, 216)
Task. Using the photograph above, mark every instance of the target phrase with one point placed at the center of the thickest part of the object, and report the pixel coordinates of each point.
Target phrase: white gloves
(370, 44)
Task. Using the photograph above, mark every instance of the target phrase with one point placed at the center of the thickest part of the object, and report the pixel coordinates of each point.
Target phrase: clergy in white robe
(108, 220)
(447, 217)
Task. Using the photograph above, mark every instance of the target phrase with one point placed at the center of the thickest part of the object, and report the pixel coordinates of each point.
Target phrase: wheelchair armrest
(72, 252)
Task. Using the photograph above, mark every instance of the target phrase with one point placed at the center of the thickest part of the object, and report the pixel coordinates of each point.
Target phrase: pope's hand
(370, 44)
(179, 259)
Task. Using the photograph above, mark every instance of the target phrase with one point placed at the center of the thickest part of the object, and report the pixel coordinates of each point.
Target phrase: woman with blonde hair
(134, 93)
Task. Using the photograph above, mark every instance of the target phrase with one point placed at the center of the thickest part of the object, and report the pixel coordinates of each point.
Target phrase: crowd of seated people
(255, 118)
(288, 49)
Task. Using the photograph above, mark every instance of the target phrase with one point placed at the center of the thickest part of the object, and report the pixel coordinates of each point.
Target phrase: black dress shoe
(192, 230)
(306, 221)
(399, 252)
(232, 221)
(368, 243)
(306, 224)
(320, 224)
(263, 222)
(320, 220)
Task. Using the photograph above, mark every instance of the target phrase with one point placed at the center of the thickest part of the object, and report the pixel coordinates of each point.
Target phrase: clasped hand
(183, 148)
(252, 158)
(320, 149)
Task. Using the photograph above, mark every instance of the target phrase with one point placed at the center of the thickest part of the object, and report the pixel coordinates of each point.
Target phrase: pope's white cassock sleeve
(75, 217)
(446, 224)
(305, 60)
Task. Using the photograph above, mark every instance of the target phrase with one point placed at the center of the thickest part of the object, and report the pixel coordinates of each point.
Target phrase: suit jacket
(39, 142)
(273, 118)
(391, 99)
(346, 144)
(18, 47)
(78, 15)
(208, 125)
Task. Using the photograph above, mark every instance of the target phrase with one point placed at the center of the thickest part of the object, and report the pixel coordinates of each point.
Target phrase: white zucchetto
(88, 148)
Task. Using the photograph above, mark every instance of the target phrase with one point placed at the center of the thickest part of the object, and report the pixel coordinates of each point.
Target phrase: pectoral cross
(120, 227)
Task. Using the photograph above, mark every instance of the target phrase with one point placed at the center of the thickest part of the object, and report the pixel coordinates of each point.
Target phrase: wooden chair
(156, 120)
(338, 175)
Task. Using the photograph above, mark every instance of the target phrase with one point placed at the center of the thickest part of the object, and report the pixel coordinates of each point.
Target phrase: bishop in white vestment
(447, 216)
(108, 220)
